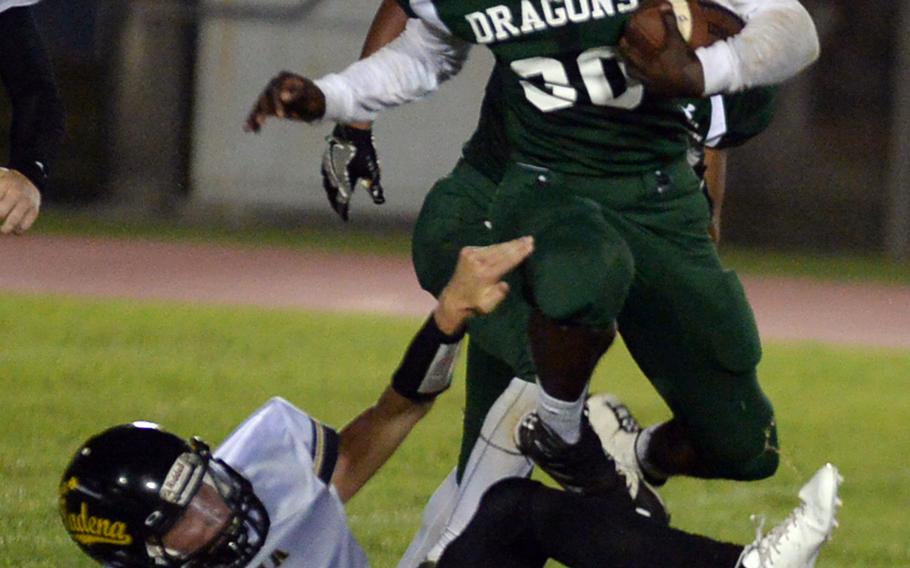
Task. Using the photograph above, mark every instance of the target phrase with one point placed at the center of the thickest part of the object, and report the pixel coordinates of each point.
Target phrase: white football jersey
(288, 457)
(7, 4)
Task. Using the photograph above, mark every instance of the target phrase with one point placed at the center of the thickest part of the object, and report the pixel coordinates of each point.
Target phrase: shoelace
(629, 424)
(768, 544)
(626, 421)
(630, 476)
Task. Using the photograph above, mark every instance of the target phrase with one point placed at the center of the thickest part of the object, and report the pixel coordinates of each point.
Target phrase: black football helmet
(126, 487)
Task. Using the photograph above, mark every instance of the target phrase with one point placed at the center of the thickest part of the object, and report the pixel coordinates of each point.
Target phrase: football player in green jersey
(455, 212)
(597, 169)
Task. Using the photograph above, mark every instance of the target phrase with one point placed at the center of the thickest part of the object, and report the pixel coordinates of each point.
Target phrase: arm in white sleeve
(407, 69)
(778, 41)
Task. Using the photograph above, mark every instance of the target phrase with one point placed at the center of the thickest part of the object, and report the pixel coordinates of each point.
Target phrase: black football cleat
(582, 467)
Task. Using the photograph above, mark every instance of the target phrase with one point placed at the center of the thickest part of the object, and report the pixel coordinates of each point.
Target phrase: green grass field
(70, 367)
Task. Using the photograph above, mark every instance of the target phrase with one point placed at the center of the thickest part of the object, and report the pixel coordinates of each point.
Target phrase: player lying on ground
(124, 496)
(136, 496)
(37, 122)
(271, 495)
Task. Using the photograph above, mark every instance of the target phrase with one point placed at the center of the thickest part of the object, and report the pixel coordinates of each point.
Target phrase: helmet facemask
(222, 524)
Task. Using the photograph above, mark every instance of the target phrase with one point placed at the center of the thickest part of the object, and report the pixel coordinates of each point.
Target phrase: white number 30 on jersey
(603, 74)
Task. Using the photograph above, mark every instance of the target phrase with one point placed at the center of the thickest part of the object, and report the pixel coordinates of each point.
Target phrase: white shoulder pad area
(278, 421)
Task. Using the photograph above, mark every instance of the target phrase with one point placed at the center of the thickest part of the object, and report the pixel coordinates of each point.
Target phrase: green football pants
(632, 249)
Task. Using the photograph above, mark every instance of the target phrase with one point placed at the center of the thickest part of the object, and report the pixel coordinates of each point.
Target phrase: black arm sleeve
(427, 366)
(38, 120)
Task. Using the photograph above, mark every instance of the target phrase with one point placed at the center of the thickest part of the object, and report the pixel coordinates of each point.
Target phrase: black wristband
(430, 327)
(33, 171)
(355, 135)
(418, 361)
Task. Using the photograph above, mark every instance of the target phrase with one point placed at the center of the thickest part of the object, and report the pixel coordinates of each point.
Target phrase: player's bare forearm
(716, 181)
(388, 23)
(371, 438)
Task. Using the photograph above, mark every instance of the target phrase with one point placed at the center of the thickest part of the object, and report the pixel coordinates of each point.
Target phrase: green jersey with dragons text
(565, 99)
(722, 121)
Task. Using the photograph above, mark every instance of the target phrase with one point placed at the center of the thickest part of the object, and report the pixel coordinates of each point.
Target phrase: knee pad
(578, 274)
(764, 460)
(762, 464)
(748, 451)
(762, 467)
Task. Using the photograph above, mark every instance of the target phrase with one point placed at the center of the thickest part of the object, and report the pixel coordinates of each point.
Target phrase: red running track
(786, 308)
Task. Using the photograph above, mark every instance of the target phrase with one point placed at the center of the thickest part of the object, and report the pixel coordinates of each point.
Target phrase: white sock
(651, 471)
(564, 417)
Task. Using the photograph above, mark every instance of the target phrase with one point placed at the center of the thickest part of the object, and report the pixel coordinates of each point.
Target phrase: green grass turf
(69, 367)
(396, 241)
(298, 234)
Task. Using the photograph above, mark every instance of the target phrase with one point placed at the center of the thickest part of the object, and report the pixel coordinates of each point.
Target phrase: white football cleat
(618, 430)
(796, 542)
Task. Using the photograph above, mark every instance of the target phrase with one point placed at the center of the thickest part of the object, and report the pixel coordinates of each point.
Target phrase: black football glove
(350, 162)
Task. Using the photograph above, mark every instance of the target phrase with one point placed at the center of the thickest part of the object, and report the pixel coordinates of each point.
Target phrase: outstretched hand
(673, 69)
(290, 96)
(477, 286)
(20, 202)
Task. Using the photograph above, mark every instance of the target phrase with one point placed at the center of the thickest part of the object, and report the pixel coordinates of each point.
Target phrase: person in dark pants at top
(37, 125)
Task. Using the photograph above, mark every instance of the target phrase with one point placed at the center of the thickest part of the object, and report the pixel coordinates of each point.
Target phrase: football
(701, 23)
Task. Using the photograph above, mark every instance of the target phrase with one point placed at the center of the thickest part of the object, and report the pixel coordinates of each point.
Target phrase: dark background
(819, 179)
